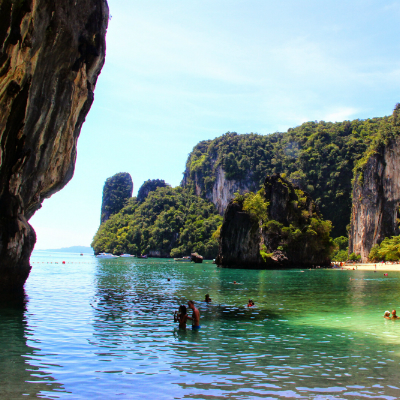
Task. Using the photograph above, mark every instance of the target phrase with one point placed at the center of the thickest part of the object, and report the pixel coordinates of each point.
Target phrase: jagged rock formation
(51, 53)
(291, 233)
(116, 191)
(149, 186)
(376, 200)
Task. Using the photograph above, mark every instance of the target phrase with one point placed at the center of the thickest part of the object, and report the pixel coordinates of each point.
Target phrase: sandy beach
(371, 267)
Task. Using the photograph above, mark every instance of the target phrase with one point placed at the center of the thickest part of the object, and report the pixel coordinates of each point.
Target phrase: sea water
(103, 329)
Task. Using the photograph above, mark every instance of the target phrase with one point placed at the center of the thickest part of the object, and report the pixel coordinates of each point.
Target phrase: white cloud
(341, 114)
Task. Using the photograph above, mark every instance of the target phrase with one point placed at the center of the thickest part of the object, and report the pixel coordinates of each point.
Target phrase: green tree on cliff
(149, 186)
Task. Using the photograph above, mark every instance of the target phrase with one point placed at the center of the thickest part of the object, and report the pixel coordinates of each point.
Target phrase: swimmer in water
(195, 316)
(182, 317)
(251, 303)
(386, 315)
(394, 316)
(207, 299)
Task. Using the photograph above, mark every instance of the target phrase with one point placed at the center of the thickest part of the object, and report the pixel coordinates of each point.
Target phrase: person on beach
(181, 317)
(207, 299)
(386, 315)
(195, 316)
(394, 316)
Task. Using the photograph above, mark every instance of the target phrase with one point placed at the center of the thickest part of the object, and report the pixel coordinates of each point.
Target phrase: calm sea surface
(103, 329)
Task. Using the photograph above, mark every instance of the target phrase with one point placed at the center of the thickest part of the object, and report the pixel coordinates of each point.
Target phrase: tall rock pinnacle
(51, 53)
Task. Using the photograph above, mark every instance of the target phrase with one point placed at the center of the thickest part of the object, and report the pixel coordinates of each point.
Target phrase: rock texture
(51, 53)
(116, 191)
(376, 201)
(223, 189)
(245, 237)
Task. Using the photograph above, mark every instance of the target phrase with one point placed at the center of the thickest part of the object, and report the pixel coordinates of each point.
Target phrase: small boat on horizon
(106, 255)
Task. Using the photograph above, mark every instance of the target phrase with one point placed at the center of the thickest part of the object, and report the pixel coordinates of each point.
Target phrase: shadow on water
(18, 377)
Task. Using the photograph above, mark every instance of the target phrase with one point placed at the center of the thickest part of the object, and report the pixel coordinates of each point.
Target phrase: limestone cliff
(51, 53)
(289, 234)
(319, 157)
(116, 191)
(376, 200)
(223, 189)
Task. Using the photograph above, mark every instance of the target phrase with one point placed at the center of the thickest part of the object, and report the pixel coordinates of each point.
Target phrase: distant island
(74, 249)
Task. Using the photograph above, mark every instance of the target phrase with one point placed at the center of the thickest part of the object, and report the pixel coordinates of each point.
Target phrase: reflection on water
(104, 329)
(19, 377)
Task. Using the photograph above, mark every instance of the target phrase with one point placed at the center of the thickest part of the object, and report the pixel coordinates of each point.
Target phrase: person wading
(195, 316)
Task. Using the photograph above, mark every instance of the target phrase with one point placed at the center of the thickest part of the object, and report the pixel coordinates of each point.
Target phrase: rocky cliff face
(51, 53)
(292, 234)
(116, 191)
(376, 200)
(222, 190)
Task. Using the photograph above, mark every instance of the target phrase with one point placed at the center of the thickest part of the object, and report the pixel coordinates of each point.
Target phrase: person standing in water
(394, 315)
(195, 316)
(181, 317)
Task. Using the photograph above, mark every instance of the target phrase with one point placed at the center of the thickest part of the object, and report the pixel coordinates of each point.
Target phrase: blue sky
(178, 72)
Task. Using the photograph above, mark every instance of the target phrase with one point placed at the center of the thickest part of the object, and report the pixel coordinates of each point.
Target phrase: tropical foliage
(341, 249)
(388, 250)
(149, 186)
(169, 222)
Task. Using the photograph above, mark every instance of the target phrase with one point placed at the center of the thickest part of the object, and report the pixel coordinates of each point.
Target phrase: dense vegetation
(341, 249)
(318, 156)
(117, 190)
(169, 222)
(388, 250)
(149, 186)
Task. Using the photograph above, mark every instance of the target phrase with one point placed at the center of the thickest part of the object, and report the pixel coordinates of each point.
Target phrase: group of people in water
(387, 315)
(181, 316)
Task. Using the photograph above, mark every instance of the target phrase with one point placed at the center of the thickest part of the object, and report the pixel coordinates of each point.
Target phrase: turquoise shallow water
(103, 329)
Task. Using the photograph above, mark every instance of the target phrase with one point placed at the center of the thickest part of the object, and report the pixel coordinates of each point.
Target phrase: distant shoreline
(371, 267)
(72, 249)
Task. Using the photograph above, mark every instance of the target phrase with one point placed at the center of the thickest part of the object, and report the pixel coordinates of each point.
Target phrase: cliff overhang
(51, 53)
